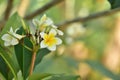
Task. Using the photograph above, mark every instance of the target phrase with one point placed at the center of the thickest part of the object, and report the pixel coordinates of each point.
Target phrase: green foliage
(99, 67)
(114, 3)
(64, 77)
(38, 76)
(56, 67)
(3, 68)
(40, 54)
(53, 77)
(14, 22)
(9, 62)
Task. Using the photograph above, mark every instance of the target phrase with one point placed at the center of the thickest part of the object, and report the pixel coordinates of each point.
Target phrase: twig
(2, 23)
(44, 8)
(90, 17)
(8, 9)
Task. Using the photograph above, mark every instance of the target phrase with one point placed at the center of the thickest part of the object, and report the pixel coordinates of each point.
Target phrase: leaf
(23, 55)
(114, 3)
(3, 68)
(38, 76)
(9, 61)
(41, 53)
(54, 65)
(71, 62)
(53, 77)
(64, 77)
(99, 67)
(13, 22)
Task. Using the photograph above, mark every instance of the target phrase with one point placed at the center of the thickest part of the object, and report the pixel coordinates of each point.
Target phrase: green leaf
(8, 59)
(52, 64)
(41, 53)
(38, 76)
(114, 3)
(23, 55)
(13, 22)
(99, 67)
(3, 68)
(53, 77)
(64, 77)
(71, 62)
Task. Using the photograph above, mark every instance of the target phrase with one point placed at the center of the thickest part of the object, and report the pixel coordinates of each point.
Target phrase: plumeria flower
(44, 21)
(59, 32)
(11, 38)
(50, 40)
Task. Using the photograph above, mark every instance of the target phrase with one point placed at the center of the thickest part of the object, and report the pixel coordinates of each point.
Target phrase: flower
(50, 40)
(11, 38)
(46, 21)
(59, 32)
(43, 22)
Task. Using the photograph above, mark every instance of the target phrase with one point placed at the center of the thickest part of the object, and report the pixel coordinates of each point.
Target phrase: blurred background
(90, 49)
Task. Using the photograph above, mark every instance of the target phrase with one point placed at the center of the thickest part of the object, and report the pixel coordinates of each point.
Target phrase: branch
(90, 17)
(8, 9)
(43, 9)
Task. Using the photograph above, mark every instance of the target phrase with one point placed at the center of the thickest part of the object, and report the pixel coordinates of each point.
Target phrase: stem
(43, 9)
(32, 63)
(90, 17)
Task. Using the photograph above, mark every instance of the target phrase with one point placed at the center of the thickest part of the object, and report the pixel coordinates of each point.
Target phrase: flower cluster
(45, 35)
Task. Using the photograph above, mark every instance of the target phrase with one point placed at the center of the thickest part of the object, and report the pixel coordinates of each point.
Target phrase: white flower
(12, 38)
(44, 21)
(59, 32)
(49, 40)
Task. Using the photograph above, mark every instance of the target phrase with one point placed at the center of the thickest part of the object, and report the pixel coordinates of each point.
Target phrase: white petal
(11, 30)
(53, 31)
(59, 41)
(42, 44)
(60, 32)
(42, 34)
(7, 43)
(36, 22)
(43, 19)
(18, 36)
(48, 22)
(54, 26)
(16, 30)
(14, 41)
(5, 36)
(52, 48)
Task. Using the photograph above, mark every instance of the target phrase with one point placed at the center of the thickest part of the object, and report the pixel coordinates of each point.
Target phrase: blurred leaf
(24, 55)
(38, 76)
(114, 3)
(8, 61)
(13, 22)
(3, 68)
(35, 4)
(52, 64)
(41, 53)
(71, 62)
(64, 77)
(99, 67)
(53, 77)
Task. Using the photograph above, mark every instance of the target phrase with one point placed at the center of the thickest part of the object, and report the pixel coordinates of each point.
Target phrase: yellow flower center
(50, 39)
